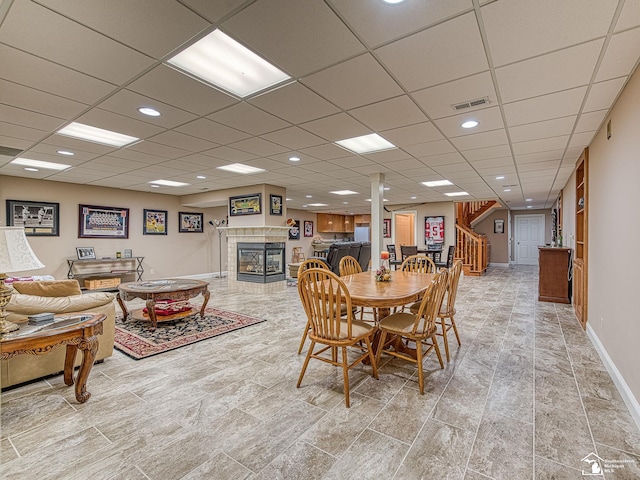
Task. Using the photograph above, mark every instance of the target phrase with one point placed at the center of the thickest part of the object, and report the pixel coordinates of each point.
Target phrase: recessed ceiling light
(201, 177)
(386, 188)
(344, 192)
(96, 135)
(384, 200)
(294, 159)
(529, 206)
(155, 186)
(27, 162)
(240, 168)
(318, 205)
(437, 183)
(366, 144)
(151, 112)
(413, 198)
(345, 203)
(469, 124)
(309, 196)
(288, 199)
(501, 177)
(31, 169)
(168, 183)
(456, 194)
(507, 189)
(529, 200)
(221, 61)
(66, 152)
(392, 2)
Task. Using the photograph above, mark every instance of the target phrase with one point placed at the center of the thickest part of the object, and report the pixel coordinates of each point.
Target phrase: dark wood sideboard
(554, 279)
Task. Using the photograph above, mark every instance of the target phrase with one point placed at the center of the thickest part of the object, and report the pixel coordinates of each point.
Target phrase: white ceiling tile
(249, 119)
(328, 151)
(213, 11)
(581, 139)
(430, 148)
(65, 42)
(603, 94)
(412, 134)
(488, 119)
(393, 113)
(630, 15)
(173, 23)
(541, 145)
(554, 105)
(539, 156)
(442, 159)
(258, 146)
(183, 141)
(424, 59)
(621, 56)
(294, 138)
(212, 131)
(172, 87)
(537, 166)
(336, 127)
(481, 140)
(26, 118)
(548, 128)
(492, 162)
(438, 101)
(20, 132)
(295, 103)
(289, 34)
(118, 123)
(355, 82)
(590, 121)
(520, 29)
(159, 150)
(488, 152)
(564, 69)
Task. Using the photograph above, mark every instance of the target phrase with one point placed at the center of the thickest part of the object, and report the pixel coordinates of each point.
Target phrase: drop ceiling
(550, 71)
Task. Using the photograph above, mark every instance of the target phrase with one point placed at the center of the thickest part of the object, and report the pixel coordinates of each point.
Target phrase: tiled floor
(526, 396)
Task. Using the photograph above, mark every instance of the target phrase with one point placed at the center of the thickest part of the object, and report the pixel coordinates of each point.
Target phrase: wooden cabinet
(553, 279)
(334, 223)
(580, 264)
(364, 219)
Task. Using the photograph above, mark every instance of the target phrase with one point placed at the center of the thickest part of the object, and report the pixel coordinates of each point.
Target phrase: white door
(529, 235)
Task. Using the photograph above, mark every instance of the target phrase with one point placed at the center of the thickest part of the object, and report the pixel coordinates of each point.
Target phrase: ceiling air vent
(9, 152)
(471, 103)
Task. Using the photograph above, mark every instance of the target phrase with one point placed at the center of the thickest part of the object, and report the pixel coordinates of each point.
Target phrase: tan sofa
(62, 296)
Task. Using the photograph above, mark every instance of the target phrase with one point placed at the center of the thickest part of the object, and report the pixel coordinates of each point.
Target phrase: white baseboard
(494, 264)
(201, 276)
(618, 380)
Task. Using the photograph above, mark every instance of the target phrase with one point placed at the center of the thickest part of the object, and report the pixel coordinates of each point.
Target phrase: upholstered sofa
(62, 296)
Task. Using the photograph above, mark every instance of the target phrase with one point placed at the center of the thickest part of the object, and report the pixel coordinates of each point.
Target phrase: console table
(125, 269)
(76, 331)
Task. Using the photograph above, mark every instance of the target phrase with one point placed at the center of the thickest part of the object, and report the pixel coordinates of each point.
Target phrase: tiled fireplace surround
(252, 234)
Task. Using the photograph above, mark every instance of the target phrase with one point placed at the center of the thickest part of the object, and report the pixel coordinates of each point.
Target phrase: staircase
(471, 247)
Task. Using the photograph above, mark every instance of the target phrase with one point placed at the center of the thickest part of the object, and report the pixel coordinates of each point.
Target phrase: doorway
(404, 224)
(529, 235)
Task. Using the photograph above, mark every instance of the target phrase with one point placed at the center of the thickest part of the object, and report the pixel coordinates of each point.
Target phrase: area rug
(136, 339)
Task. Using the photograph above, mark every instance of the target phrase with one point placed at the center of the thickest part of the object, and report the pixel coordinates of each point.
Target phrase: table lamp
(15, 256)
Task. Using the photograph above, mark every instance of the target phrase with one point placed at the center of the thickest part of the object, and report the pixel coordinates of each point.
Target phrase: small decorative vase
(383, 274)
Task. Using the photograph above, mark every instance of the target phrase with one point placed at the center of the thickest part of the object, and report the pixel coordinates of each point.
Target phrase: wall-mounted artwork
(498, 226)
(103, 222)
(245, 204)
(386, 228)
(39, 219)
(276, 204)
(294, 229)
(308, 228)
(434, 231)
(190, 222)
(155, 222)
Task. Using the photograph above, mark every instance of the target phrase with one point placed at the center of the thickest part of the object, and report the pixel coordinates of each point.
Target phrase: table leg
(206, 294)
(69, 361)
(151, 311)
(125, 312)
(89, 347)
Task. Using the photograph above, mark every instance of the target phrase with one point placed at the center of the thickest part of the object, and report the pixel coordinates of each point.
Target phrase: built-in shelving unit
(582, 230)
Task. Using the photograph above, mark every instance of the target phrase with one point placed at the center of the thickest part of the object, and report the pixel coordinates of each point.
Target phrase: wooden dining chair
(448, 309)
(349, 266)
(420, 328)
(306, 265)
(393, 256)
(323, 295)
(418, 263)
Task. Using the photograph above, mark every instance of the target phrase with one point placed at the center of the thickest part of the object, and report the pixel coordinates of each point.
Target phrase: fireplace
(261, 262)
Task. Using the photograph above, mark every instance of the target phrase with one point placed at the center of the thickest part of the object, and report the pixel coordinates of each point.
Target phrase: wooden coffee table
(75, 330)
(178, 289)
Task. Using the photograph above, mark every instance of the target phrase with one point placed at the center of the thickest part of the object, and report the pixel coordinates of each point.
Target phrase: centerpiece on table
(383, 274)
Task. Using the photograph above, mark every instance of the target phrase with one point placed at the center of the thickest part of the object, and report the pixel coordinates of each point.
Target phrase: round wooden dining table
(403, 288)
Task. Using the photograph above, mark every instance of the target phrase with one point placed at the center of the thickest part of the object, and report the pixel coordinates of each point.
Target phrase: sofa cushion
(31, 304)
(56, 288)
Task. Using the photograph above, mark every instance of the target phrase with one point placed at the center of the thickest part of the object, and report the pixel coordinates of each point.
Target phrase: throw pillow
(56, 288)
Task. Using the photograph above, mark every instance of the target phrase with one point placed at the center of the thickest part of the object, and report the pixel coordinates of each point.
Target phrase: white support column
(377, 214)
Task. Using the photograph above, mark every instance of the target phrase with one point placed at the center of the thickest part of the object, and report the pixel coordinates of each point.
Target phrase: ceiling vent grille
(9, 151)
(471, 103)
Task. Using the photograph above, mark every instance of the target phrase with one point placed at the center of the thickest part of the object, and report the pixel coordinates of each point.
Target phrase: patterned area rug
(136, 339)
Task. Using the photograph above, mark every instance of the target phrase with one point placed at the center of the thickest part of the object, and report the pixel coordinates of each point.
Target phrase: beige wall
(174, 254)
(426, 210)
(614, 170)
(499, 241)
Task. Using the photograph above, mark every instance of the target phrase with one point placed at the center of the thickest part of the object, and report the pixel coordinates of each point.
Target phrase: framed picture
(103, 222)
(246, 204)
(294, 230)
(434, 230)
(308, 228)
(85, 253)
(128, 253)
(276, 204)
(386, 228)
(155, 222)
(190, 222)
(498, 226)
(38, 218)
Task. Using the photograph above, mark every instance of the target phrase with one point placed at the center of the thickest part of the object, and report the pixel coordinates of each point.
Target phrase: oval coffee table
(178, 289)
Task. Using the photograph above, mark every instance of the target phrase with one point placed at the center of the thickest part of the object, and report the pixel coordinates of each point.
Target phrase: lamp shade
(15, 252)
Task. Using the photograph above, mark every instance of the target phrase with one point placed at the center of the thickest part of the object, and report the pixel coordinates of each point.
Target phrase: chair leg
(434, 339)
(372, 359)
(443, 326)
(419, 360)
(306, 362)
(455, 329)
(383, 335)
(304, 336)
(345, 374)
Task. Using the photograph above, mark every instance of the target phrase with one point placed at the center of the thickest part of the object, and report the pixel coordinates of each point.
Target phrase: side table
(75, 330)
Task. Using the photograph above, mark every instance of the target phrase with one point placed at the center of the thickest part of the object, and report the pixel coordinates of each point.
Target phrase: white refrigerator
(362, 234)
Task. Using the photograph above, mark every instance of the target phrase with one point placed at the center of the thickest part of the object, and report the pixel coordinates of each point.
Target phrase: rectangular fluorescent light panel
(39, 164)
(344, 192)
(169, 183)
(240, 168)
(456, 194)
(96, 135)
(437, 183)
(221, 61)
(366, 144)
